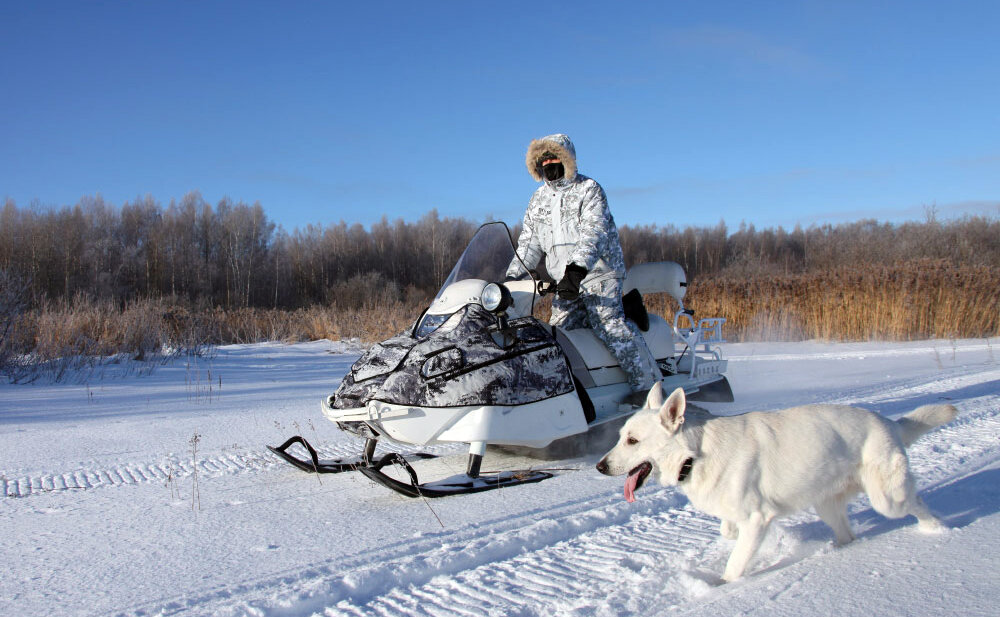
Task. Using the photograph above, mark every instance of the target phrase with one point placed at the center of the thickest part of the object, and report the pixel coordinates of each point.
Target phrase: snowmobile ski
(316, 465)
(455, 485)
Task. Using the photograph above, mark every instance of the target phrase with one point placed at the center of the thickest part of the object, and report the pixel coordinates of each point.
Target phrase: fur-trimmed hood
(557, 144)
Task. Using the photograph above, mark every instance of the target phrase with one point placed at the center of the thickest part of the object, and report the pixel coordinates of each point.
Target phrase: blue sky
(773, 113)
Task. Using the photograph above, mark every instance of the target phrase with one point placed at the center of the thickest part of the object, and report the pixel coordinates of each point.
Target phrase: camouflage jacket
(568, 221)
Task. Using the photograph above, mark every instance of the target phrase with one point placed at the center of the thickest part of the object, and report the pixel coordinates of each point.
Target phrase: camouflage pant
(599, 307)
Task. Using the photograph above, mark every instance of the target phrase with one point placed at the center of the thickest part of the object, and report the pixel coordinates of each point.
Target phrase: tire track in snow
(433, 564)
(936, 348)
(597, 555)
(165, 470)
(963, 379)
(127, 474)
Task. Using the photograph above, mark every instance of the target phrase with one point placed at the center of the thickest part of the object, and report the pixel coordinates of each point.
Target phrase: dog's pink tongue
(630, 487)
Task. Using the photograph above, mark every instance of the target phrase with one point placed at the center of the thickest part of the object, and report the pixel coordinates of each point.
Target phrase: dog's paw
(931, 526)
(729, 578)
(699, 582)
(729, 530)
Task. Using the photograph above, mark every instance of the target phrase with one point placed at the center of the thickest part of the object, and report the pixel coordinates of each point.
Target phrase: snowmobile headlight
(430, 323)
(495, 298)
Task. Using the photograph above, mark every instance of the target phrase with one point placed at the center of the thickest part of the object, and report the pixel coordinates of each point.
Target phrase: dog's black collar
(685, 470)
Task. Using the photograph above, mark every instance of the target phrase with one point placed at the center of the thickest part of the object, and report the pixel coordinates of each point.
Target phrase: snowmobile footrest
(455, 485)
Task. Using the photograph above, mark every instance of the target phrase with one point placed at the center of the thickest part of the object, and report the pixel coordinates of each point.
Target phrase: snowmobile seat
(598, 359)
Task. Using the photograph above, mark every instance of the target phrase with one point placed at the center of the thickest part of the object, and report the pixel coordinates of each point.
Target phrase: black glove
(569, 287)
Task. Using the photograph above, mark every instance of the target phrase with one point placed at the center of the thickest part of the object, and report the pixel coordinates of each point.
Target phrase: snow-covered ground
(153, 495)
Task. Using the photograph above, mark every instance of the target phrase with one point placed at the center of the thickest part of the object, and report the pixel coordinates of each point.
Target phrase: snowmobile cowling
(472, 364)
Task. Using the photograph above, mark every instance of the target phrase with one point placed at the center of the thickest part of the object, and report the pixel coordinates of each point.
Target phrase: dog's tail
(914, 424)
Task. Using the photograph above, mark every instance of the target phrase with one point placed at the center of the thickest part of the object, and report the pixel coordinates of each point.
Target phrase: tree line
(228, 255)
(231, 255)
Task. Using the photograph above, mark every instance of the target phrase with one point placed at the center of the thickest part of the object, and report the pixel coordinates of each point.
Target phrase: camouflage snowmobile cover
(460, 364)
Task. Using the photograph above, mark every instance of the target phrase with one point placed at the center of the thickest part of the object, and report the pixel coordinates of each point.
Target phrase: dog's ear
(672, 412)
(655, 397)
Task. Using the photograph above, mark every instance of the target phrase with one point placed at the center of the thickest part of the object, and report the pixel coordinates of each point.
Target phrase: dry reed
(913, 300)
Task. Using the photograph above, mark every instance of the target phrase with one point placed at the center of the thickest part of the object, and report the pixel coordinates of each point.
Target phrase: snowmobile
(478, 368)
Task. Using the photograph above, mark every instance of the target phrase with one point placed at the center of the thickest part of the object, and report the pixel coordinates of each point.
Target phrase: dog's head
(650, 441)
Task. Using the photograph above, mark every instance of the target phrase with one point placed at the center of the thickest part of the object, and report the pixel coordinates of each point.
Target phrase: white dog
(749, 469)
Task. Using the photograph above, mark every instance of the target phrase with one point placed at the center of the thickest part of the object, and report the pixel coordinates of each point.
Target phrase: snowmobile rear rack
(315, 465)
(470, 482)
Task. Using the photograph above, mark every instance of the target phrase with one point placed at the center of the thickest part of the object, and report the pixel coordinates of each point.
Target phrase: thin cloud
(711, 182)
(916, 211)
(976, 162)
(744, 46)
(638, 191)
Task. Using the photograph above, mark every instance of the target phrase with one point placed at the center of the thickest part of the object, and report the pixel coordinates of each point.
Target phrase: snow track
(585, 552)
(129, 474)
(170, 469)
(597, 568)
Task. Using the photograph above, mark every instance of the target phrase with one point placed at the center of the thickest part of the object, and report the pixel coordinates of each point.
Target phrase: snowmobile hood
(558, 144)
(470, 364)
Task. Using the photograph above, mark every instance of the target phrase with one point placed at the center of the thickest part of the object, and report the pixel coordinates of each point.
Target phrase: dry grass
(915, 300)
(86, 327)
(371, 324)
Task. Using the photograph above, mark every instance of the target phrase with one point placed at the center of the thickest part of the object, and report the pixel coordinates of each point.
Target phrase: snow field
(106, 515)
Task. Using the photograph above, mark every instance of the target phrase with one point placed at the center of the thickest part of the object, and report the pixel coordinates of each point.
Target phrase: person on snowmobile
(569, 223)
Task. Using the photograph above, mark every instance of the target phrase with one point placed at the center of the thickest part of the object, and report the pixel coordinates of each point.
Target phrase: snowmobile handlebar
(545, 288)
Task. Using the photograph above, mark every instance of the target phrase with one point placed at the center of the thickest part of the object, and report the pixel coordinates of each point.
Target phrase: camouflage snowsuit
(568, 221)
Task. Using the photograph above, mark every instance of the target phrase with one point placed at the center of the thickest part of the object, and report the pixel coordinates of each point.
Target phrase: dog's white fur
(751, 468)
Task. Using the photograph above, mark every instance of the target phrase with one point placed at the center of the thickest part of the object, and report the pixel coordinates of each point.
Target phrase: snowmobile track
(168, 468)
(125, 475)
(585, 549)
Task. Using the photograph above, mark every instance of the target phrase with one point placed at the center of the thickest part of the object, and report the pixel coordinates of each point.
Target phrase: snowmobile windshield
(486, 258)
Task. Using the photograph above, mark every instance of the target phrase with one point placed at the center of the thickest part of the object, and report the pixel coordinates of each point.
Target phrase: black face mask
(553, 171)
